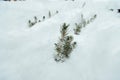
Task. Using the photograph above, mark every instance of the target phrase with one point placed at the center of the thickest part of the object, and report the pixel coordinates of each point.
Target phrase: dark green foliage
(65, 45)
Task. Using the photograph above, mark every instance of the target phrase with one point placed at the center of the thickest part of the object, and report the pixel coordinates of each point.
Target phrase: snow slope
(27, 53)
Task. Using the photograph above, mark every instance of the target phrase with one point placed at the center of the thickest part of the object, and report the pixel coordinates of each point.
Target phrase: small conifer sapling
(65, 45)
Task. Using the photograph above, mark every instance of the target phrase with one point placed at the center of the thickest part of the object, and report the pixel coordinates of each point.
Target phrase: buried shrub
(49, 14)
(36, 20)
(65, 45)
(32, 23)
(82, 24)
(77, 29)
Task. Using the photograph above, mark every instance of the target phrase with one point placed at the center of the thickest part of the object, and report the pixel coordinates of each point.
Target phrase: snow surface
(27, 53)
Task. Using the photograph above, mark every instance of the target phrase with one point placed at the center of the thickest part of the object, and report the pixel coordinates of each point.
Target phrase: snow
(28, 53)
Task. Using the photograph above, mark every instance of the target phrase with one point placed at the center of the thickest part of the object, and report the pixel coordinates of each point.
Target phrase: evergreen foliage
(65, 45)
(77, 29)
(83, 23)
(32, 23)
(36, 20)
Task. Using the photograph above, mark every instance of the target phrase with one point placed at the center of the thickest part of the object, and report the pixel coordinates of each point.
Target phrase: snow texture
(28, 53)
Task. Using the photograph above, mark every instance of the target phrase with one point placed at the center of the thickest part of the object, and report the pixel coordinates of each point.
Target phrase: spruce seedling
(65, 45)
(77, 29)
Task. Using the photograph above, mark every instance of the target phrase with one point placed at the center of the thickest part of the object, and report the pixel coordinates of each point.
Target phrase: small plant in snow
(36, 20)
(77, 29)
(79, 26)
(65, 45)
(43, 18)
(49, 14)
(32, 23)
(82, 24)
(92, 18)
(83, 5)
(83, 21)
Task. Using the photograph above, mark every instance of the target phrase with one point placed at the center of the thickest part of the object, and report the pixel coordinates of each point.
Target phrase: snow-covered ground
(28, 53)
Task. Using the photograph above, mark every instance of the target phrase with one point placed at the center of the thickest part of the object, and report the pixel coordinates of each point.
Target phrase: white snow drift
(27, 53)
